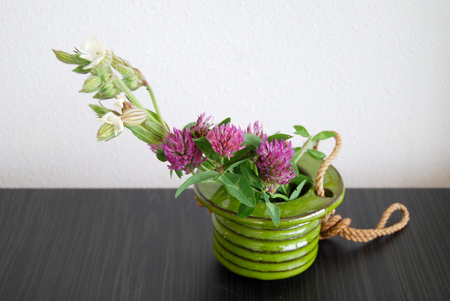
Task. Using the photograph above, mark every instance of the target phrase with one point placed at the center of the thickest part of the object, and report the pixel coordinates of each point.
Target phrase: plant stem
(209, 165)
(307, 145)
(155, 104)
(128, 92)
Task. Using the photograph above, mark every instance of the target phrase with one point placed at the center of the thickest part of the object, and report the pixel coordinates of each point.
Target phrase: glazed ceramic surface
(253, 246)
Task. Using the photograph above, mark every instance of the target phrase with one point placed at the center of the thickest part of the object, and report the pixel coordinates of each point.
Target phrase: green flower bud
(107, 91)
(104, 73)
(106, 62)
(119, 61)
(133, 82)
(92, 84)
(106, 132)
(144, 134)
(133, 116)
(158, 131)
(132, 77)
(65, 57)
(125, 70)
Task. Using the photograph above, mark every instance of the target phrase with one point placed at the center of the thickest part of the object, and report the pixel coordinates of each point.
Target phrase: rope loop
(337, 226)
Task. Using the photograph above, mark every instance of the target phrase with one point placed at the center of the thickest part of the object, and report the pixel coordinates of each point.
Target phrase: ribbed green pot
(253, 246)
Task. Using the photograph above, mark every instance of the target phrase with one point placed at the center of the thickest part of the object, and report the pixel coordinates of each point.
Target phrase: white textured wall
(377, 72)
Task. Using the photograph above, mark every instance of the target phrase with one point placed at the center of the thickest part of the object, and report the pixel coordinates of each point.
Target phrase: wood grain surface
(146, 245)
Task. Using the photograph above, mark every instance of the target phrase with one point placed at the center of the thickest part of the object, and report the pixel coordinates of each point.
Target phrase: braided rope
(337, 226)
(323, 168)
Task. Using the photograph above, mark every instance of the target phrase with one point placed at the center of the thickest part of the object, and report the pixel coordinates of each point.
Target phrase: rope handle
(337, 226)
(323, 168)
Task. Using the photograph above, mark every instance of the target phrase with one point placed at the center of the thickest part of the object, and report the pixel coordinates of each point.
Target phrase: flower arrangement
(252, 165)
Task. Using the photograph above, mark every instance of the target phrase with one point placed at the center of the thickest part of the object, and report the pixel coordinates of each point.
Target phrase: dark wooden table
(146, 245)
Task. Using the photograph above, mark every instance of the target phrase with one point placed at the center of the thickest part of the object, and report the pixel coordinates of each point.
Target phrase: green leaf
(324, 135)
(297, 191)
(245, 153)
(199, 177)
(99, 110)
(189, 125)
(251, 176)
(206, 148)
(225, 121)
(153, 114)
(274, 211)
(239, 187)
(278, 195)
(284, 189)
(279, 136)
(300, 130)
(252, 140)
(179, 173)
(245, 211)
(233, 165)
(316, 154)
(80, 70)
(300, 178)
(160, 155)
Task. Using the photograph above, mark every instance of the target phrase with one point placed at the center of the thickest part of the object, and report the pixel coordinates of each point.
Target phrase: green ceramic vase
(253, 246)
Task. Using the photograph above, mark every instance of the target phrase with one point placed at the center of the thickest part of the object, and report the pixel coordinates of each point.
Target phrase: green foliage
(189, 125)
(206, 148)
(253, 140)
(297, 191)
(225, 121)
(245, 211)
(324, 135)
(252, 178)
(279, 136)
(231, 166)
(316, 154)
(80, 70)
(239, 187)
(99, 110)
(199, 177)
(279, 196)
(160, 155)
(300, 130)
(273, 210)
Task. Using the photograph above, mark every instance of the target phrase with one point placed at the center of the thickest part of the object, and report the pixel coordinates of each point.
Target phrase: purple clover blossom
(201, 128)
(226, 139)
(273, 162)
(181, 152)
(257, 129)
